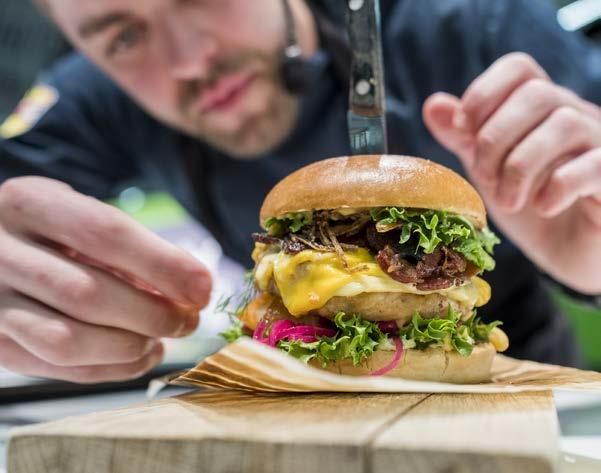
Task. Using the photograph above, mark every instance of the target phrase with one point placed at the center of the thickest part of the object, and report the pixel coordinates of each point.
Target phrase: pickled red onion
(388, 327)
(258, 333)
(275, 334)
(282, 329)
(304, 333)
(300, 330)
(395, 359)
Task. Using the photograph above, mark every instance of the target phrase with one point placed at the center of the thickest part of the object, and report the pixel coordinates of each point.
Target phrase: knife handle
(367, 71)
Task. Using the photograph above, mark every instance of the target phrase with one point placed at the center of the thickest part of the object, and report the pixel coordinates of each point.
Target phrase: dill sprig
(233, 305)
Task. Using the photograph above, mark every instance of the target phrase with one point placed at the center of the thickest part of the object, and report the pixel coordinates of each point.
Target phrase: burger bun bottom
(431, 364)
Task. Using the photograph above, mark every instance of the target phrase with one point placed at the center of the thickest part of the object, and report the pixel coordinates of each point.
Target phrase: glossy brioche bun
(374, 181)
(432, 364)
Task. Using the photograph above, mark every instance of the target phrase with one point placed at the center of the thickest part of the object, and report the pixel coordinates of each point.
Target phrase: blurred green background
(586, 323)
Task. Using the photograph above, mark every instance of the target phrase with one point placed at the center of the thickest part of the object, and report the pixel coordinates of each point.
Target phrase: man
(189, 95)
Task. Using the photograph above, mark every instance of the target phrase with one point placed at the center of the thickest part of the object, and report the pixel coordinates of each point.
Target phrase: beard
(265, 118)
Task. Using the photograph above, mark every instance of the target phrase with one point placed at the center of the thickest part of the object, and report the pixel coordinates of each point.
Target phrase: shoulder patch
(33, 106)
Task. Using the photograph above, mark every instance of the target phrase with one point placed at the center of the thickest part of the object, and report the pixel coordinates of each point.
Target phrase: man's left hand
(533, 150)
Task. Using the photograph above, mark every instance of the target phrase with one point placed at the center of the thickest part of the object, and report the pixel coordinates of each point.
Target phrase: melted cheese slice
(307, 280)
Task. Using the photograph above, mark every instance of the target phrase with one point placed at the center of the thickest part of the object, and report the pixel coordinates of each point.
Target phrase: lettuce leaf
(233, 332)
(448, 332)
(431, 228)
(290, 223)
(356, 339)
(427, 229)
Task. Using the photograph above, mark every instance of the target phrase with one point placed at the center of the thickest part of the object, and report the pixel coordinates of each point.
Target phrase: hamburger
(370, 265)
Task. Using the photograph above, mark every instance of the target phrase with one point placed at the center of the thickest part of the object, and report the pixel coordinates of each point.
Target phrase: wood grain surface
(231, 431)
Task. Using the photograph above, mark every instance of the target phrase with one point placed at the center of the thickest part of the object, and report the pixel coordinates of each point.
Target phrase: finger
(591, 206)
(86, 260)
(63, 341)
(526, 108)
(566, 132)
(438, 112)
(89, 294)
(577, 179)
(492, 88)
(18, 360)
(45, 209)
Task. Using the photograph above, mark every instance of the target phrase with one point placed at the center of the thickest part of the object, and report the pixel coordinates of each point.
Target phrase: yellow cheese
(307, 280)
(499, 339)
(483, 290)
(259, 251)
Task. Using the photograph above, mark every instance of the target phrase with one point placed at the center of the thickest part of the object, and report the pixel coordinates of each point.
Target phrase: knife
(366, 115)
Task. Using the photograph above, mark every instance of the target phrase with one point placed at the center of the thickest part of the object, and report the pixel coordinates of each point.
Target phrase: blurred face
(207, 67)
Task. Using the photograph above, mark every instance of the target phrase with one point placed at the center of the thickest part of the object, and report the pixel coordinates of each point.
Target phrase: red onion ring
(388, 327)
(258, 333)
(277, 328)
(395, 359)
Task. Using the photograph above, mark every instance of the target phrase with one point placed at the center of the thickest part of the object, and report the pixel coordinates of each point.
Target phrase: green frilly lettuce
(289, 223)
(449, 332)
(233, 332)
(431, 227)
(356, 339)
(428, 228)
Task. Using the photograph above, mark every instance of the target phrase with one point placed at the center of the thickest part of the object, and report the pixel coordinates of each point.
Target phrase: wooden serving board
(272, 433)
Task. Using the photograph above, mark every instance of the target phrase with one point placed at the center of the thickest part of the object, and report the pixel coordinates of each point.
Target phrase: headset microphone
(293, 67)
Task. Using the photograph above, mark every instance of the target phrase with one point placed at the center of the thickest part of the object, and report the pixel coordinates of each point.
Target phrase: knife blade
(367, 110)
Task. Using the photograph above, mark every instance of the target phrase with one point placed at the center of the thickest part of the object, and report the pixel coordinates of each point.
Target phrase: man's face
(207, 67)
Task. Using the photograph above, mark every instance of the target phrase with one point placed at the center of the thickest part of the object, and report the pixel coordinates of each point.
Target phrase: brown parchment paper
(251, 366)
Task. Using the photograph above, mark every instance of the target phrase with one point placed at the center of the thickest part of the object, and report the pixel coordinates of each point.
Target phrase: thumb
(443, 116)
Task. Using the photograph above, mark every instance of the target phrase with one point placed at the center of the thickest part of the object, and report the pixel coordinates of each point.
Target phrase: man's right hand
(85, 291)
